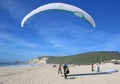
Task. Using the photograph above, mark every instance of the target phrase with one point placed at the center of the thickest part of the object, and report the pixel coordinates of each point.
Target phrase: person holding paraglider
(66, 70)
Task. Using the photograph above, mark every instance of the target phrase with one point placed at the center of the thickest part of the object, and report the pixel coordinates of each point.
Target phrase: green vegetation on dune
(85, 58)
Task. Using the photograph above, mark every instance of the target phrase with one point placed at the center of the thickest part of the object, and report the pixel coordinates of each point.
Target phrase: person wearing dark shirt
(66, 70)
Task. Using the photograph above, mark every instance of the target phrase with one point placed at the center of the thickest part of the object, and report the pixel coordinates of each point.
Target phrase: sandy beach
(47, 74)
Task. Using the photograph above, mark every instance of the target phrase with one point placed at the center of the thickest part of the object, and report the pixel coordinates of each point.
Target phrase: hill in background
(84, 58)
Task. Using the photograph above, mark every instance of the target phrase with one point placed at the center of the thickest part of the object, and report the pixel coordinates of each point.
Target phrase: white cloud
(113, 43)
(1, 43)
(14, 7)
(63, 35)
(9, 40)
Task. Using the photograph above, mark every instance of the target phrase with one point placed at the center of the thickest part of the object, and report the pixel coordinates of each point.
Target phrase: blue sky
(57, 33)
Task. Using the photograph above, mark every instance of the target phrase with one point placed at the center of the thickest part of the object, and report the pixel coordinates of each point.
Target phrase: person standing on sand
(59, 69)
(98, 68)
(66, 70)
(92, 67)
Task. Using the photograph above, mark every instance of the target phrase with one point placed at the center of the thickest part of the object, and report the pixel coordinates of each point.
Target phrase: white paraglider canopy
(60, 6)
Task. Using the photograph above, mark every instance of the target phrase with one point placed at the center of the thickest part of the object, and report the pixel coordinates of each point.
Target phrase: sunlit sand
(47, 74)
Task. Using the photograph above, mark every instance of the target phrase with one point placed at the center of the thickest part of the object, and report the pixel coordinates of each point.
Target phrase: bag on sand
(67, 71)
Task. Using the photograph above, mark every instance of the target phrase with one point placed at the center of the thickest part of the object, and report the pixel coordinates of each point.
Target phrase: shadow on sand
(85, 74)
(109, 71)
(69, 76)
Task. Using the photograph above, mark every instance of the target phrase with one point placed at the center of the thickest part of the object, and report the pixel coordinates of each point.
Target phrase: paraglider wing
(60, 6)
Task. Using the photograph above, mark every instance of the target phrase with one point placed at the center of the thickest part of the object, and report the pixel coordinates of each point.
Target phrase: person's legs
(61, 71)
(65, 75)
